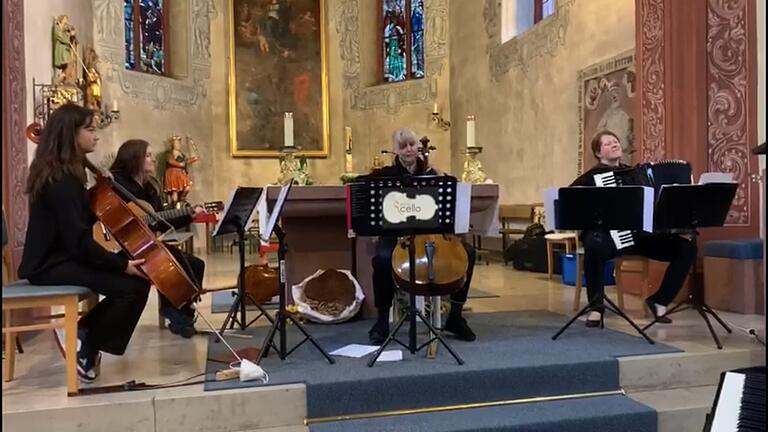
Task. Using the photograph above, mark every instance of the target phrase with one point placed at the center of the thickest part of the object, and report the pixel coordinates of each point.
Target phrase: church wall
(372, 111)
(524, 93)
(38, 41)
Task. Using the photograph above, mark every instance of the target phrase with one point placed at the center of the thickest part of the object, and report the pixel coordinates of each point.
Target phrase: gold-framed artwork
(277, 64)
(607, 102)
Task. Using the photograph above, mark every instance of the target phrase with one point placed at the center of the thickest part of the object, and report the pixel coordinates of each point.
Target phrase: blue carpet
(604, 414)
(514, 357)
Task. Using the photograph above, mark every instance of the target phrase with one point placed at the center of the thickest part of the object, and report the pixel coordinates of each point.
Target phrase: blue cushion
(23, 289)
(735, 249)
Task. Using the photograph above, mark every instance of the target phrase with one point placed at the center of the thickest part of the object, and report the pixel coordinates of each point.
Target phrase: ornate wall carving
(15, 121)
(728, 125)
(651, 58)
(544, 38)
(163, 92)
(390, 97)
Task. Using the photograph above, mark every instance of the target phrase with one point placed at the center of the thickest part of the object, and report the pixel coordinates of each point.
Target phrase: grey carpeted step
(604, 414)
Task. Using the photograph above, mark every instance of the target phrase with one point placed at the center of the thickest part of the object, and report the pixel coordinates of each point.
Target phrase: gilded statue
(92, 81)
(64, 51)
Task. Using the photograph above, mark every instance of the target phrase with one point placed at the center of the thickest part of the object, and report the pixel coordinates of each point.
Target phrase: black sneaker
(379, 332)
(457, 325)
(87, 369)
(185, 331)
(662, 319)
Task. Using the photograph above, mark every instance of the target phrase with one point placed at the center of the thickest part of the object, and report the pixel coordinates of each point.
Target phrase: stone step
(679, 410)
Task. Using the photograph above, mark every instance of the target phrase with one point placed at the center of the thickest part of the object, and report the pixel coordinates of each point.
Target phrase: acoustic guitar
(140, 210)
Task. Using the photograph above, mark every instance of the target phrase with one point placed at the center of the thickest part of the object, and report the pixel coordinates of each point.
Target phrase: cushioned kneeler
(733, 275)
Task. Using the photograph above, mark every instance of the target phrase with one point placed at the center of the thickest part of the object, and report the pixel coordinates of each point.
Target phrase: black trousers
(384, 285)
(193, 265)
(678, 251)
(110, 324)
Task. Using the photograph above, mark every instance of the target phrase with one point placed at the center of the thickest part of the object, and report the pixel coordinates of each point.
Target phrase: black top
(61, 229)
(587, 179)
(399, 170)
(149, 194)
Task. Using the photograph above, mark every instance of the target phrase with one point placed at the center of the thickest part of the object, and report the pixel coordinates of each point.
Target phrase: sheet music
(261, 207)
(715, 177)
(224, 212)
(550, 196)
(276, 210)
(463, 203)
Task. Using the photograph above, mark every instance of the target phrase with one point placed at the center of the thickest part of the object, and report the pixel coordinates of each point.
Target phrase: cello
(441, 260)
(139, 242)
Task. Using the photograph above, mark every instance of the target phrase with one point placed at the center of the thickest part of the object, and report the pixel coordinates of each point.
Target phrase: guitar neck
(168, 214)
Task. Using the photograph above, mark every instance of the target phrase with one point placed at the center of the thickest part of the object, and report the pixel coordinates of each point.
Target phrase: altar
(314, 219)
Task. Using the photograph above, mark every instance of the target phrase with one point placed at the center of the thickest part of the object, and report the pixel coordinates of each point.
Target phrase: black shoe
(379, 332)
(185, 331)
(663, 319)
(88, 367)
(594, 323)
(177, 317)
(457, 325)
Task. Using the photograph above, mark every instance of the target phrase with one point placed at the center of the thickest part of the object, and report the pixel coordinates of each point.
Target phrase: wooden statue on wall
(92, 81)
(64, 51)
(174, 165)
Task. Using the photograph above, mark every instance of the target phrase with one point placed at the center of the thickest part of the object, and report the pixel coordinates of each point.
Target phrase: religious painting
(607, 102)
(277, 65)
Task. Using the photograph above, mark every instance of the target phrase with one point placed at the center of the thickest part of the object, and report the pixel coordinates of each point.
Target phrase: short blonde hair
(402, 135)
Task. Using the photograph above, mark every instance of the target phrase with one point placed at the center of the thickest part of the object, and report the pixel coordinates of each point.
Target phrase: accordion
(651, 174)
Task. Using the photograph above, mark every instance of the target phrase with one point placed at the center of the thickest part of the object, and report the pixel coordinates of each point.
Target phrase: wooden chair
(634, 264)
(509, 214)
(23, 295)
(579, 251)
(566, 240)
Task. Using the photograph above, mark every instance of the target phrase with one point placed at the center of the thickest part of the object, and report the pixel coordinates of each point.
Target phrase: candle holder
(440, 122)
(294, 167)
(473, 169)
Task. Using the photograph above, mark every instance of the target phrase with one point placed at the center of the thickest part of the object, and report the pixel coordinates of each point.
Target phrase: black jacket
(399, 170)
(61, 229)
(148, 193)
(587, 179)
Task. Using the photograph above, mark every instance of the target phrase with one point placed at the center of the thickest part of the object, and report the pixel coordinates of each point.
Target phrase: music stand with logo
(238, 214)
(429, 205)
(690, 207)
(603, 209)
(278, 325)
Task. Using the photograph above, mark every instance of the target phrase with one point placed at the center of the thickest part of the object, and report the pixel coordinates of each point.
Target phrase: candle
(114, 106)
(434, 109)
(348, 138)
(288, 129)
(470, 131)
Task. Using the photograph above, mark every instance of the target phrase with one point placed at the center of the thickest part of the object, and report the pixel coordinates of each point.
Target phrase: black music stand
(238, 214)
(278, 325)
(368, 217)
(603, 209)
(690, 207)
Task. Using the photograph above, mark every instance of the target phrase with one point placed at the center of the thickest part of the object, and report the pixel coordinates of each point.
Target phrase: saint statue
(176, 180)
(64, 51)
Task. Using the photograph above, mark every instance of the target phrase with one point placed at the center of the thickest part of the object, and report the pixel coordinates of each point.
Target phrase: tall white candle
(470, 131)
(114, 105)
(288, 129)
(434, 109)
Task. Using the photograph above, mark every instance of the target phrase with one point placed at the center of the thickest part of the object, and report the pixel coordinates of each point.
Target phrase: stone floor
(157, 356)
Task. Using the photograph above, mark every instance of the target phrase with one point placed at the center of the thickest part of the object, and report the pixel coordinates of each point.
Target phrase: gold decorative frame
(232, 99)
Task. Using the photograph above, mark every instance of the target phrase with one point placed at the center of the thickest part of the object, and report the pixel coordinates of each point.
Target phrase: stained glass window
(402, 41)
(543, 9)
(146, 36)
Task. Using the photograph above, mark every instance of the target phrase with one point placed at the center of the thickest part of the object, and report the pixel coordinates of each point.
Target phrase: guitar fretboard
(167, 215)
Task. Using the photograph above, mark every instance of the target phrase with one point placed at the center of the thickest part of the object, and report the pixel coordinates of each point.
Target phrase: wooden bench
(511, 215)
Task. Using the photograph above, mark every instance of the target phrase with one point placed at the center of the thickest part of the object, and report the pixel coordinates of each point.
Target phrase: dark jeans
(678, 251)
(111, 323)
(384, 285)
(193, 265)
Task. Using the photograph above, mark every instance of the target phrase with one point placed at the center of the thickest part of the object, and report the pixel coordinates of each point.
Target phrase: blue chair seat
(23, 289)
(735, 249)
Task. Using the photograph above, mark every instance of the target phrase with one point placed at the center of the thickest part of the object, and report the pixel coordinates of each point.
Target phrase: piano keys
(739, 403)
